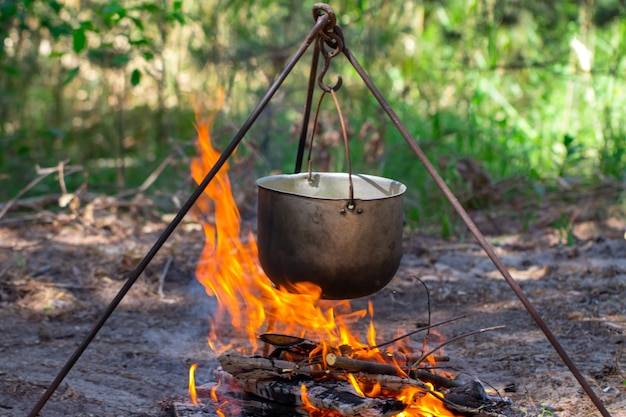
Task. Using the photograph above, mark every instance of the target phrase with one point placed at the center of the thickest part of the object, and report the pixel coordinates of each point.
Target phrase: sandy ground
(58, 275)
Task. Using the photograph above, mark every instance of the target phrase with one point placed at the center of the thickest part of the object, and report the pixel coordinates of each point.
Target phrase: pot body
(308, 231)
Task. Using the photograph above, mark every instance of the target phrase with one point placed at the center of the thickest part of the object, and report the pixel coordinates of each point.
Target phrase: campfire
(284, 349)
(294, 353)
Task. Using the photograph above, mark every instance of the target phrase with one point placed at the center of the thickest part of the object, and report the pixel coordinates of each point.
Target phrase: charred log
(333, 395)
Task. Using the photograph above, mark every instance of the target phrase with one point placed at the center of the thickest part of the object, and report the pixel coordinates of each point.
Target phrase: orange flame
(248, 302)
(216, 400)
(192, 384)
(311, 409)
(421, 404)
(355, 385)
(229, 270)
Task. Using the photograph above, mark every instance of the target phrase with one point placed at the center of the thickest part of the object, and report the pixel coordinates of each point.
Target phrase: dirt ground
(58, 273)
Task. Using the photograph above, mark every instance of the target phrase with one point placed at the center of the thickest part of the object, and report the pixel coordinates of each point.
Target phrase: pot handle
(351, 202)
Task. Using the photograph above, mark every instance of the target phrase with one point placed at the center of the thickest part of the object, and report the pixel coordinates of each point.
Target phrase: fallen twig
(53, 285)
(43, 173)
(47, 215)
(149, 180)
(454, 339)
(64, 199)
(421, 329)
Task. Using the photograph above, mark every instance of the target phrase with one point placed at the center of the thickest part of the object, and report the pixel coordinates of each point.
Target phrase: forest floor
(59, 272)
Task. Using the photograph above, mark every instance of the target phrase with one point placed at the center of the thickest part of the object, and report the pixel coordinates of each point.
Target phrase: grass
(504, 87)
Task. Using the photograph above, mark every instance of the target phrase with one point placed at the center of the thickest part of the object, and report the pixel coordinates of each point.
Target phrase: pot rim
(384, 187)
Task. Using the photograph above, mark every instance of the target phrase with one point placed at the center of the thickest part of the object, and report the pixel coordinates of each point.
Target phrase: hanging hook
(329, 36)
(333, 40)
(320, 9)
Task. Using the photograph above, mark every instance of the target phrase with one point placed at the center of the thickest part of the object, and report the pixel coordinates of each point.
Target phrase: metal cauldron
(309, 230)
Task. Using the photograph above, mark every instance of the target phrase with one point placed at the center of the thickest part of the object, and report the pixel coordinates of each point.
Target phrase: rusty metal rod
(134, 275)
(307, 110)
(477, 234)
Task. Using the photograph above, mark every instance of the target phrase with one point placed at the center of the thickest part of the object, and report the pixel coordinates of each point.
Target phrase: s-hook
(332, 37)
(333, 40)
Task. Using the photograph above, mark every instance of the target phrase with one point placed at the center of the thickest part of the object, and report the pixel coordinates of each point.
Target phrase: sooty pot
(310, 230)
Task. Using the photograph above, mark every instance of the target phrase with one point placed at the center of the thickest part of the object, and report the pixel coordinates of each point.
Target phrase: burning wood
(331, 395)
(236, 364)
(291, 383)
(350, 364)
(340, 376)
(244, 367)
(266, 386)
(341, 388)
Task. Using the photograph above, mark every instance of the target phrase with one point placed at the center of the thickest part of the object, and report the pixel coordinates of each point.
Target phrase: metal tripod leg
(478, 235)
(322, 21)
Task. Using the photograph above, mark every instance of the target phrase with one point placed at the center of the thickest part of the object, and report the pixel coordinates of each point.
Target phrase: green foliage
(528, 89)
(79, 41)
(135, 77)
(545, 411)
(565, 228)
(71, 74)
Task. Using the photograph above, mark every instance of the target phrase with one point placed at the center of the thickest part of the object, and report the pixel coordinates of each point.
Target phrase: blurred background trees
(525, 93)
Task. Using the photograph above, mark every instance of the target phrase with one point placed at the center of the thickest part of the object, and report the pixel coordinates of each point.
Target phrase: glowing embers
(322, 380)
(284, 388)
(351, 383)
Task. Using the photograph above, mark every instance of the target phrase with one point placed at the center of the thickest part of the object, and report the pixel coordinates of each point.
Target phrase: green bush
(529, 90)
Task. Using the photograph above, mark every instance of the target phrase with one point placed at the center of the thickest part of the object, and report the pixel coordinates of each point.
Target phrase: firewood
(288, 346)
(333, 395)
(437, 380)
(231, 401)
(398, 357)
(391, 384)
(350, 364)
(472, 399)
(236, 363)
(280, 380)
(282, 340)
(342, 362)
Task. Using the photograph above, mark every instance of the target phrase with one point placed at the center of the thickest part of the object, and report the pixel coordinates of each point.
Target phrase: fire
(192, 384)
(355, 385)
(311, 409)
(248, 303)
(229, 270)
(423, 404)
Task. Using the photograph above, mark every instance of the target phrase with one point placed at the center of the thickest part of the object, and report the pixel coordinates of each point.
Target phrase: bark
(235, 363)
(333, 395)
(390, 384)
(350, 364)
(342, 362)
(231, 402)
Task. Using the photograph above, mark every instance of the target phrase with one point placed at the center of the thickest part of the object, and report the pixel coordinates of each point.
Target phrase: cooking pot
(309, 229)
